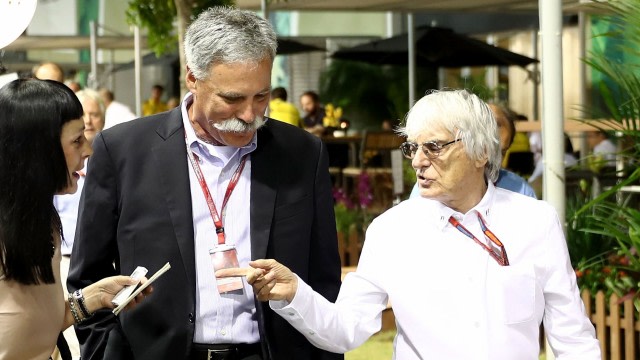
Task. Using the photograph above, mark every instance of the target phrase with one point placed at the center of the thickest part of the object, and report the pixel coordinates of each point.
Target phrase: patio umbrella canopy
(285, 47)
(435, 47)
(288, 47)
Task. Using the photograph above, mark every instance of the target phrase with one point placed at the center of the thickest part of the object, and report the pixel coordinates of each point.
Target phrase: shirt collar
(483, 207)
(199, 146)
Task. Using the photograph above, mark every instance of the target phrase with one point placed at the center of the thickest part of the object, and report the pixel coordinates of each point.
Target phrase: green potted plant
(609, 218)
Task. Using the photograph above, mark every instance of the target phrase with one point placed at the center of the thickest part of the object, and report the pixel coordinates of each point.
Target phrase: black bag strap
(63, 348)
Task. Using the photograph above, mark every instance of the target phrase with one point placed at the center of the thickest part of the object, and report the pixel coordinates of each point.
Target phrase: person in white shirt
(569, 160)
(471, 270)
(604, 150)
(115, 111)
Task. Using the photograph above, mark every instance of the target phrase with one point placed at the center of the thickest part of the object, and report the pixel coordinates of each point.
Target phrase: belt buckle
(212, 352)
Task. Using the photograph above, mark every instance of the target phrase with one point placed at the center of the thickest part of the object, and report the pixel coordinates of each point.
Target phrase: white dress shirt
(67, 207)
(608, 150)
(451, 300)
(221, 318)
(117, 113)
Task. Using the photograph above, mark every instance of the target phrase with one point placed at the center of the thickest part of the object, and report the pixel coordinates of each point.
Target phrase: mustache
(238, 126)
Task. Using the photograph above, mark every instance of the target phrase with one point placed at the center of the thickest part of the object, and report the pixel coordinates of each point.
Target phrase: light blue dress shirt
(230, 317)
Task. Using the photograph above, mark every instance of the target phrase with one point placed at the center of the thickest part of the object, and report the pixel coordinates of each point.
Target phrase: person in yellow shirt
(155, 104)
(519, 141)
(282, 110)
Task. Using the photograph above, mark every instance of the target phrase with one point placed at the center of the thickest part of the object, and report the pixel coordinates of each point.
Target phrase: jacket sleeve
(324, 259)
(95, 248)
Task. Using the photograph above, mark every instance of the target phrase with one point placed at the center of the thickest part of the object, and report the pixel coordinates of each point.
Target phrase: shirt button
(223, 332)
(191, 318)
(291, 314)
(311, 333)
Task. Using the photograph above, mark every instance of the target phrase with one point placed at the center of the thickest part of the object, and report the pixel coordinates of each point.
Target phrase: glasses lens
(409, 149)
(431, 148)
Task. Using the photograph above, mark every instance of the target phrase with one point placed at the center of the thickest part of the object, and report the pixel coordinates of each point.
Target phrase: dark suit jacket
(136, 210)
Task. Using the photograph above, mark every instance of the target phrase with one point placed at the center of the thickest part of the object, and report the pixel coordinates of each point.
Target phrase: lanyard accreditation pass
(223, 255)
(217, 220)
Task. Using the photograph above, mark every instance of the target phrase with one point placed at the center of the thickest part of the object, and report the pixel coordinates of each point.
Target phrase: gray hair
(466, 117)
(222, 34)
(92, 95)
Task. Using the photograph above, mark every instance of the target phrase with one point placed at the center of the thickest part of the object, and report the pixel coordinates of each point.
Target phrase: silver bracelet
(81, 304)
(74, 311)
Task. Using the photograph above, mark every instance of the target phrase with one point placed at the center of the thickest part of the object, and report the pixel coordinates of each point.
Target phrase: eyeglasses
(495, 248)
(430, 148)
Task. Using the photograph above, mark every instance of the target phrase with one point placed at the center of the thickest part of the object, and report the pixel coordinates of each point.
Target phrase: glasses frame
(431, 149)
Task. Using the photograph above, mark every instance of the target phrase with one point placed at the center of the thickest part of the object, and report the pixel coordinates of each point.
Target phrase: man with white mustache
(211, 179)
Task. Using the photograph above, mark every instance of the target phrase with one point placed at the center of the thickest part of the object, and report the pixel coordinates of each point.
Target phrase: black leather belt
(225, 351)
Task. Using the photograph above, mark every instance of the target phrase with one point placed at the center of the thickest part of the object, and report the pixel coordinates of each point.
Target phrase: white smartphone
(123, 294)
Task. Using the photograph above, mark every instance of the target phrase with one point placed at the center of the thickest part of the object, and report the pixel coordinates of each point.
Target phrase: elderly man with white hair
(470, 269)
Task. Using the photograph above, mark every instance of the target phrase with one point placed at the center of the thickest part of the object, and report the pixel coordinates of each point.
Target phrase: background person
(281, 109)
(73, 85)
(49, 71)
(144, 205)
(173, 102)
(520, 140)
(604, 151)
(569, 160)
(469, 276)
(154, 104)
(93, 112)
(505, 119)
(115, 111)
(41, 128)
(314, 113)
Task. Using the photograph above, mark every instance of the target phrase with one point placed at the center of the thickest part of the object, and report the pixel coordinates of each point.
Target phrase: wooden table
(353, 143)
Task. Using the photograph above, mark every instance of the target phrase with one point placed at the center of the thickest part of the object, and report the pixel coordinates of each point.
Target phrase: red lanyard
(499, 253)
(207, 195)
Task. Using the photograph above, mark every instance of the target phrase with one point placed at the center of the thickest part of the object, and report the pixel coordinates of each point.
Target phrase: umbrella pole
(412, 59)
(265, 9)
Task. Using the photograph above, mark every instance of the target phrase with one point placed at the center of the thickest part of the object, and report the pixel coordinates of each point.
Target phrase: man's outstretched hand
(270, 279)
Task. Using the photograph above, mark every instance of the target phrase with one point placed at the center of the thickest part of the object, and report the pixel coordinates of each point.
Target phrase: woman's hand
(99, 295)
(270, 279)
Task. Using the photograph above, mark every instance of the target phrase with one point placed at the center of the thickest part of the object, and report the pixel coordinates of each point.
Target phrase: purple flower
(365, 197)
(340, 197)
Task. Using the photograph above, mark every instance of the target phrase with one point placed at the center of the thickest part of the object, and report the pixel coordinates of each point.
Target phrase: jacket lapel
(263, 192)
(171, 159)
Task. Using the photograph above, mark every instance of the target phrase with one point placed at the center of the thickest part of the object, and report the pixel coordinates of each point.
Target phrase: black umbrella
(288, 47)
(285, 47)
(435, 47)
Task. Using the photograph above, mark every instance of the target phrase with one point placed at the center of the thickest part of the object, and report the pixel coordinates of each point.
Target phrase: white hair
(466, 117)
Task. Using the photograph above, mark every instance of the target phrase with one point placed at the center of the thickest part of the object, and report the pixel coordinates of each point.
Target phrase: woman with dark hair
(42, 146)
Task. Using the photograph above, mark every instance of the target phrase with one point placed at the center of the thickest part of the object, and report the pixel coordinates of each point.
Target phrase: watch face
(15, 16)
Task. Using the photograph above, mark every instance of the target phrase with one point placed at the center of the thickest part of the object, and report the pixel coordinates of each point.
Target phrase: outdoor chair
(375, 160)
